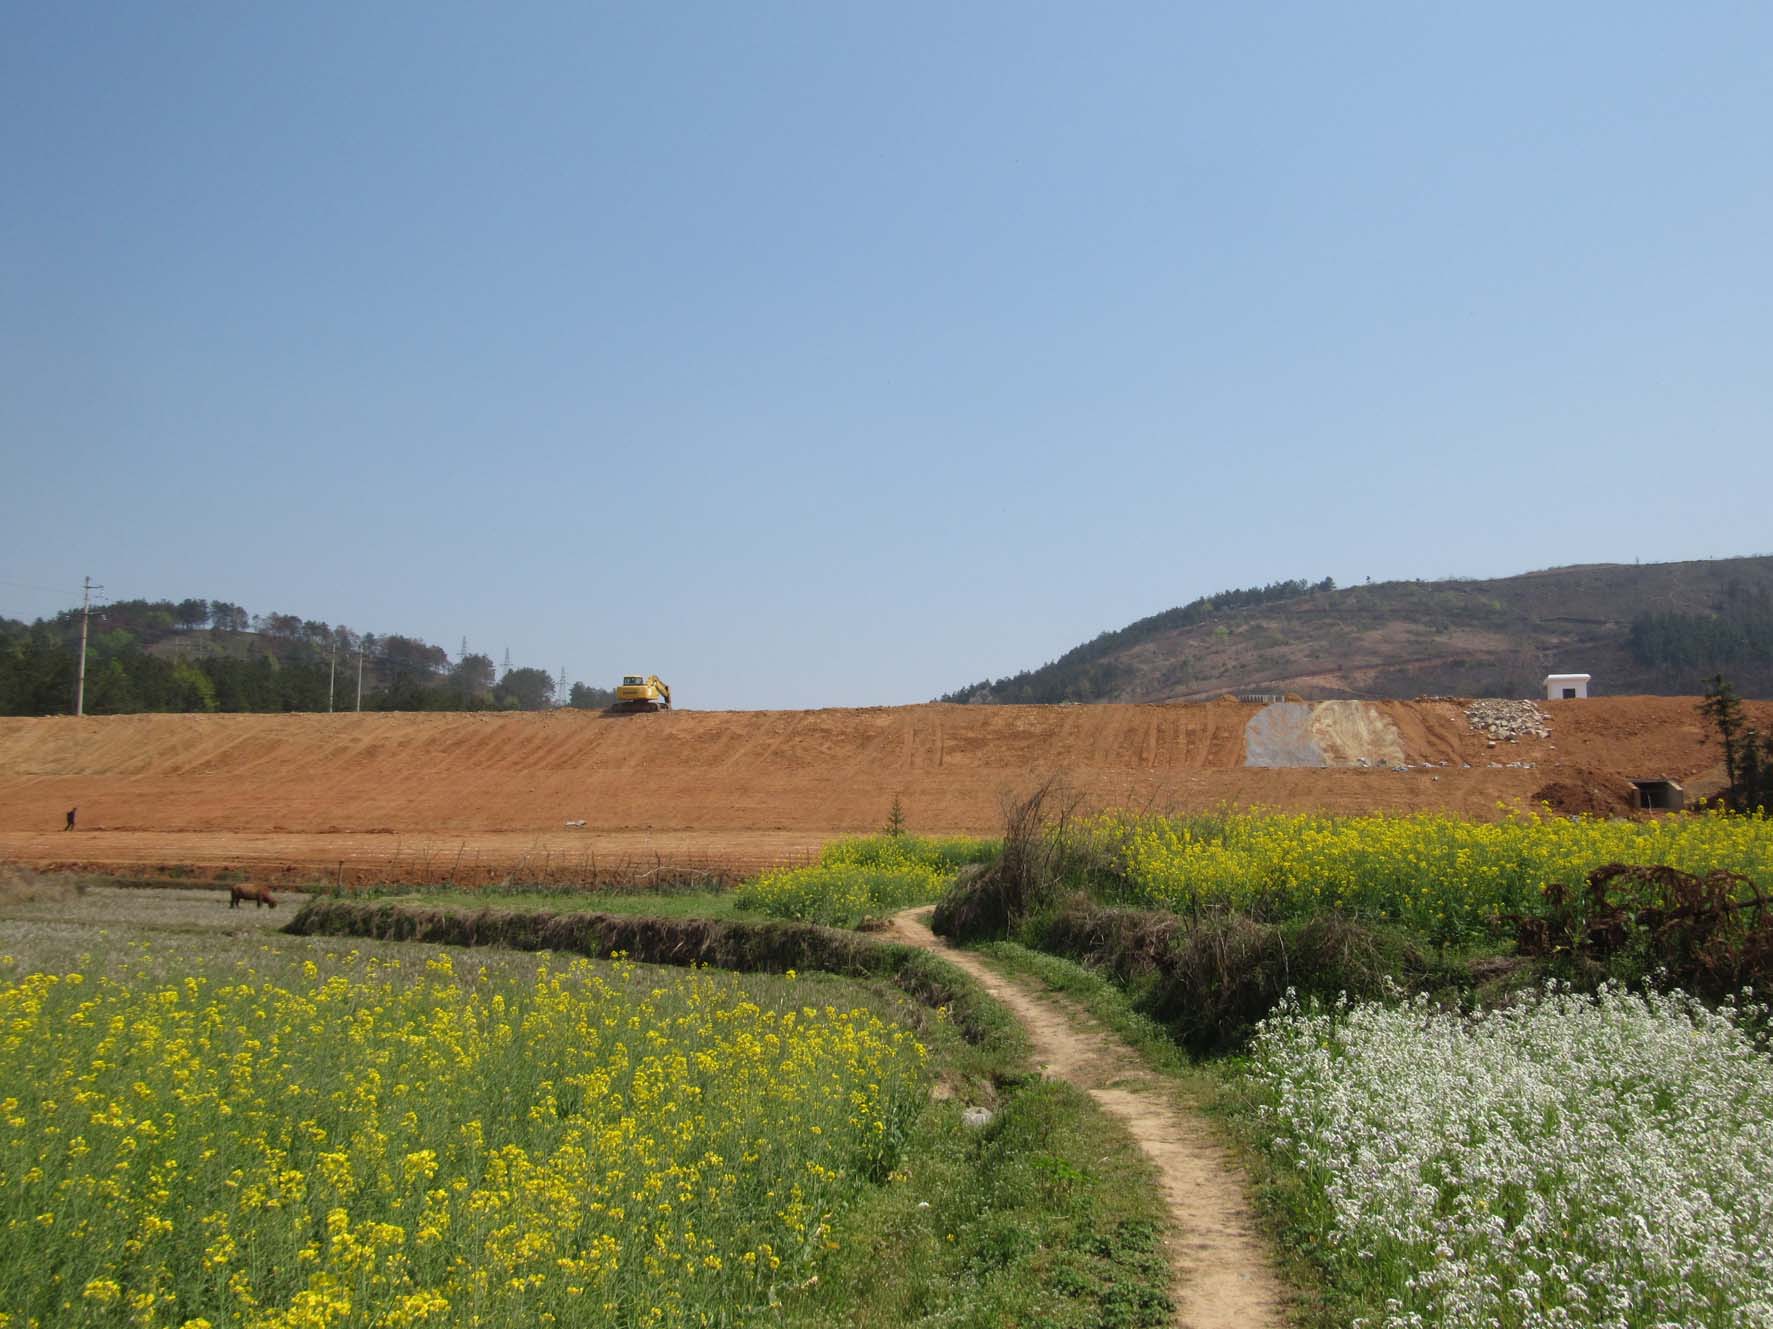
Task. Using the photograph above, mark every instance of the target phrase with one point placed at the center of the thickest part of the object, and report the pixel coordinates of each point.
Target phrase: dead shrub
(21, 885)
(987, 901)
(1710, 934)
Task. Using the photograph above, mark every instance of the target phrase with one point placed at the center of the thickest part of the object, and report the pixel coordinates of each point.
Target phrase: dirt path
(1223, 1274)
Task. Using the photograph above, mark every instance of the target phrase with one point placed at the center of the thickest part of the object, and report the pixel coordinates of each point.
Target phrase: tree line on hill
(1737, 638)
(212, 655)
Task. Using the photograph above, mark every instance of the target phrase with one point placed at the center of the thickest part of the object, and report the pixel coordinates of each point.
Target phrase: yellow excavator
(641, 694)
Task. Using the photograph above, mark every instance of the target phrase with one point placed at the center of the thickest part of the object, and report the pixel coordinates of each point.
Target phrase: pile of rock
(1507, 720)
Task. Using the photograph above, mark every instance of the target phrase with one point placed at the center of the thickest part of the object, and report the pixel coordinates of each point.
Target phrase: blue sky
(838, 354)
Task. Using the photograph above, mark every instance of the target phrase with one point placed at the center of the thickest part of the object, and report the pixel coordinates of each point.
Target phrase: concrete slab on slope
(1296, 734)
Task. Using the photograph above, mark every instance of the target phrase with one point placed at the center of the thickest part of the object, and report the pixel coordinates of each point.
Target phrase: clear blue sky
(818, 354)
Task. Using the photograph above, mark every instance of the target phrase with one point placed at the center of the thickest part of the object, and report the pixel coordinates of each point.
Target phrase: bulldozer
(635, 694)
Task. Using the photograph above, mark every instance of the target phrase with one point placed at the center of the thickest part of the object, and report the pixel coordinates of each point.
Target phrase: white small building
(1566, 687)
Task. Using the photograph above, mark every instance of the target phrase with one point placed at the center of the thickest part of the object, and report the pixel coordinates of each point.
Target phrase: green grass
(650, 904)
(1047, 1217)
(855, 880)
(861, 879)
(947, 854)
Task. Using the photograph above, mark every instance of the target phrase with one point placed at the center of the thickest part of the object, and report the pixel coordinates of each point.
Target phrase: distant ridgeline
(210, 655)
(1091, 673)
(1660, 628)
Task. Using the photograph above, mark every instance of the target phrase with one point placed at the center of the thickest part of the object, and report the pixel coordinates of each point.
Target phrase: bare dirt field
(467, 857)
(475, 797)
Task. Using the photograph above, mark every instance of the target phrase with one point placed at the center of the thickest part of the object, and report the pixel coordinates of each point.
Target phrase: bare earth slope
(739, 787)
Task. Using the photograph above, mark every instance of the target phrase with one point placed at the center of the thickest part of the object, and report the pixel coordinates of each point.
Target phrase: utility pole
(360, 673)
(85, 613)
(332, 673)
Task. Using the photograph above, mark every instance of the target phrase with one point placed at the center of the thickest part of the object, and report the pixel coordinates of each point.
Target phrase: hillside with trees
(1655, 628)
(213, 655)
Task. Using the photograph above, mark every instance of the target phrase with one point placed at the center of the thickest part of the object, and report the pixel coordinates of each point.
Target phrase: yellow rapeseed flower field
(371, 1142)
(863, 877)
(1444, 875)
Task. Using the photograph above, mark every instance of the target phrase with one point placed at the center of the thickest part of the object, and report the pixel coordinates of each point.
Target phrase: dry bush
(1710, 934)
(1212, 978)
(986, 901)
(21, 885)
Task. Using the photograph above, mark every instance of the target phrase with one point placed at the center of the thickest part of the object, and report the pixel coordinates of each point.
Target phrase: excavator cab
(641, 693)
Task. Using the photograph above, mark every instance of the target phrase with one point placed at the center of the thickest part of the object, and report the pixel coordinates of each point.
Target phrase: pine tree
(1723, 708)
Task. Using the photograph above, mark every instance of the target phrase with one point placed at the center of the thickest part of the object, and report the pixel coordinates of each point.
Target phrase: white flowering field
(1596, 1160)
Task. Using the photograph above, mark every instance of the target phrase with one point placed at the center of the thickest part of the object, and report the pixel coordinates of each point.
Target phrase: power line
(87, 589)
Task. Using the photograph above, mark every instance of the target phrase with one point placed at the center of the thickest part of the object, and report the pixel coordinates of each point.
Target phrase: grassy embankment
(855, 881)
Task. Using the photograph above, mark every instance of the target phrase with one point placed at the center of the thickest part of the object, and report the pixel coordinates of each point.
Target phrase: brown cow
(250, 891)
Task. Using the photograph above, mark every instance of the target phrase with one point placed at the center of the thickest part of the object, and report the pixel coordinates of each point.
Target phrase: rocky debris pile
(1506, 721)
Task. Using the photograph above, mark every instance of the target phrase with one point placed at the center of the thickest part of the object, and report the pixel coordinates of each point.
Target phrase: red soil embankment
(752, 786)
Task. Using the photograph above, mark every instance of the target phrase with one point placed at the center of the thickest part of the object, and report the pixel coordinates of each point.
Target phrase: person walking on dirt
(70, 825)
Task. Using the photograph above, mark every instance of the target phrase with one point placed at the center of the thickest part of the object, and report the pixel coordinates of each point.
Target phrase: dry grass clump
(985, 901)
(21, 885)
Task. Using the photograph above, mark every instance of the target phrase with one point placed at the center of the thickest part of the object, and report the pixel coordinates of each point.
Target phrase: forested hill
(210, 655)
(1658, 628)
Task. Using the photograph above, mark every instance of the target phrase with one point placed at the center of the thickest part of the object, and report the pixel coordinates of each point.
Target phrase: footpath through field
(1219, 1260)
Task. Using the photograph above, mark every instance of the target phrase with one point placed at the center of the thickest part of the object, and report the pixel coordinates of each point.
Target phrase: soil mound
(1586, 794)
